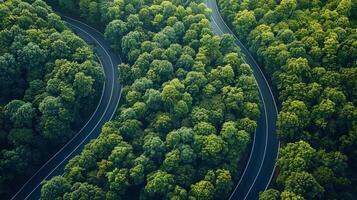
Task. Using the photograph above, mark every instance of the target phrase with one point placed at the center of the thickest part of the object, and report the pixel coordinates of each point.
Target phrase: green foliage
(49, 84)
(270, 194)
(202, 190)
(189, 105)
(55, 188)
(304, 184)
(159, 183)
(307, 49)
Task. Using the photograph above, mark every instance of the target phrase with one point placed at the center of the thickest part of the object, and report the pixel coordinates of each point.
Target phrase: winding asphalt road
(260, 166)
(104, 112)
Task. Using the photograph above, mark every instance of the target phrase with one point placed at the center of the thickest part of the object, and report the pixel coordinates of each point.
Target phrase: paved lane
(261, 163)
(104, 112)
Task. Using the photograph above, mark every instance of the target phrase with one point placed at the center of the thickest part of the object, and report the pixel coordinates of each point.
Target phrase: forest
(189, 105)
(49, 83)
(188, 110)
(309, 50)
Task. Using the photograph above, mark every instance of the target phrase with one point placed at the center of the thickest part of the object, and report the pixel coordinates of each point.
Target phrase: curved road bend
(261, 163)
(104, 112)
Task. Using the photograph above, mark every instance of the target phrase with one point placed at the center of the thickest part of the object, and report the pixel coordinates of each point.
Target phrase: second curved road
(104, 112)
(261, 163)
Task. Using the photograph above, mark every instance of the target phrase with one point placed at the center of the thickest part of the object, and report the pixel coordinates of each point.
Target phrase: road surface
(104, 112)
(261, 163)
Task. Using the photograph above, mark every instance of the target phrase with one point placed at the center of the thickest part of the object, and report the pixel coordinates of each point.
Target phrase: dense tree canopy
(189, 106)
(309, 50)
(49, 83)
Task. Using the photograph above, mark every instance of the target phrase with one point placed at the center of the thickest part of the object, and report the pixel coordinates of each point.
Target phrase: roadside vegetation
(308, 49)
(49, 83)
(189, 107)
